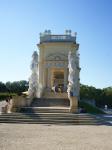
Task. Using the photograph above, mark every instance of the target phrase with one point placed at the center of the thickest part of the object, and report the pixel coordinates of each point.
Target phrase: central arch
(57, 77)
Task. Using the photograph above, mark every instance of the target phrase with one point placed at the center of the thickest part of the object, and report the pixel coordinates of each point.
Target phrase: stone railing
(18, 102)
(51, 38)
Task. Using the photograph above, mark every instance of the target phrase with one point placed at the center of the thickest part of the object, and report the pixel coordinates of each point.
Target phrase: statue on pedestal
(72, 77)
(73, 82)
(33, 80)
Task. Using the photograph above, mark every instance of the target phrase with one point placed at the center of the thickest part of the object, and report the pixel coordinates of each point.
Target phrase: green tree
(101, 96)
(2, 87)
(17, 86)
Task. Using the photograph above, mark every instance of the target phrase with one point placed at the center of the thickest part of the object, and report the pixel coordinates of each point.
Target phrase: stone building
(57, 64)
(53, 60)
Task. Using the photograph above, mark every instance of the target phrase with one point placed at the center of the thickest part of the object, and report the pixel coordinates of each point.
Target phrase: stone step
(51, 122)
(46, 115)
(50, 118)
(44, 109)
(44, 102)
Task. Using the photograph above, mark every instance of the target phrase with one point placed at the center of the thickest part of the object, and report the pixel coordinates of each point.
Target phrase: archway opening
(58, 78)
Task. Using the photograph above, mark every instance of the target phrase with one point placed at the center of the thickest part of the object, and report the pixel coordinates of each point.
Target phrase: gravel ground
(54, 137)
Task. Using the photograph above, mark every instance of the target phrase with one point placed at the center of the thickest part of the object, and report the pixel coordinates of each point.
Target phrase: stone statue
(72, 77)
(33, 80)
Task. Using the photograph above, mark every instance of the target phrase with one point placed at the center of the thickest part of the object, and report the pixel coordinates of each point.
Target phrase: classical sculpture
(73, 82)
(72, 77)
(33, 80)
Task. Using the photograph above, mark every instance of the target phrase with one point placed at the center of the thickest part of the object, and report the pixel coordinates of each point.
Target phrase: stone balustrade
(51, 38)
(18, 102)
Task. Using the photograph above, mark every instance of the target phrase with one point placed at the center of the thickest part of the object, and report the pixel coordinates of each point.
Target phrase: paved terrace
(54, 137)
(24, 136)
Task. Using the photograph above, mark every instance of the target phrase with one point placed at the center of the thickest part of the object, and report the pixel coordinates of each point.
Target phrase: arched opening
(58, 78)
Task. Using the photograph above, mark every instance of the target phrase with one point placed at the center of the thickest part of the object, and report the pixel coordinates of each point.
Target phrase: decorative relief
(56, 56)
(56, 64)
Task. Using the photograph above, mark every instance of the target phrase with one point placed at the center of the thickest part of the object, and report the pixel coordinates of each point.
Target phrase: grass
(89, 108)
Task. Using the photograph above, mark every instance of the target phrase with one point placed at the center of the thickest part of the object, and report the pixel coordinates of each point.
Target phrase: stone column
(65, 78)
(44, 76)
(49, 78)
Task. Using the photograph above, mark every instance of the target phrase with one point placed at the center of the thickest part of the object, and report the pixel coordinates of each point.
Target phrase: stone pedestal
(73, 104)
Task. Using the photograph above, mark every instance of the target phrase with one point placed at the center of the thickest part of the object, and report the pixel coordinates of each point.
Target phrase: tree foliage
(2, 87)
(101, 96)
(14, 87)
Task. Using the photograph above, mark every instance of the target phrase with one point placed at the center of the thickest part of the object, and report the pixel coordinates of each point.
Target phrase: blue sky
(21, 21)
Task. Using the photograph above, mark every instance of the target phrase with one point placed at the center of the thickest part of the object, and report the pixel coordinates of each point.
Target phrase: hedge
(3, 96)
(89, 108)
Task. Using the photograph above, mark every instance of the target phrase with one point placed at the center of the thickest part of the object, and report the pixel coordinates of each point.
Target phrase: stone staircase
(49, 111)
(49, 115)
(36, 110)
(51, 118)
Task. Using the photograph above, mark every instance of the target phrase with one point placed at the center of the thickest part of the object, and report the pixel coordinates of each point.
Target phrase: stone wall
(20, 101)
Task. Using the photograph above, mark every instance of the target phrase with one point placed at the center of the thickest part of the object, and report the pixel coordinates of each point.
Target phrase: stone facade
(53, 60)
(56, 68)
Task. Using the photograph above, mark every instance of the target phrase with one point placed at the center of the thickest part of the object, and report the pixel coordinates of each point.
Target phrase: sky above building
(21, 21)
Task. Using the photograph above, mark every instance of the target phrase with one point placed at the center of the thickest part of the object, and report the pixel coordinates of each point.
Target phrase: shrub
(3, 96)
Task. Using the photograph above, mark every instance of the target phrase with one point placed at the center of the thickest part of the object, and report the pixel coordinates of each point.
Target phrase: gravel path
(54, 137)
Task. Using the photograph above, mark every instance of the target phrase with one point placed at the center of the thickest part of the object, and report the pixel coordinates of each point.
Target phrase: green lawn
(89, 108)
